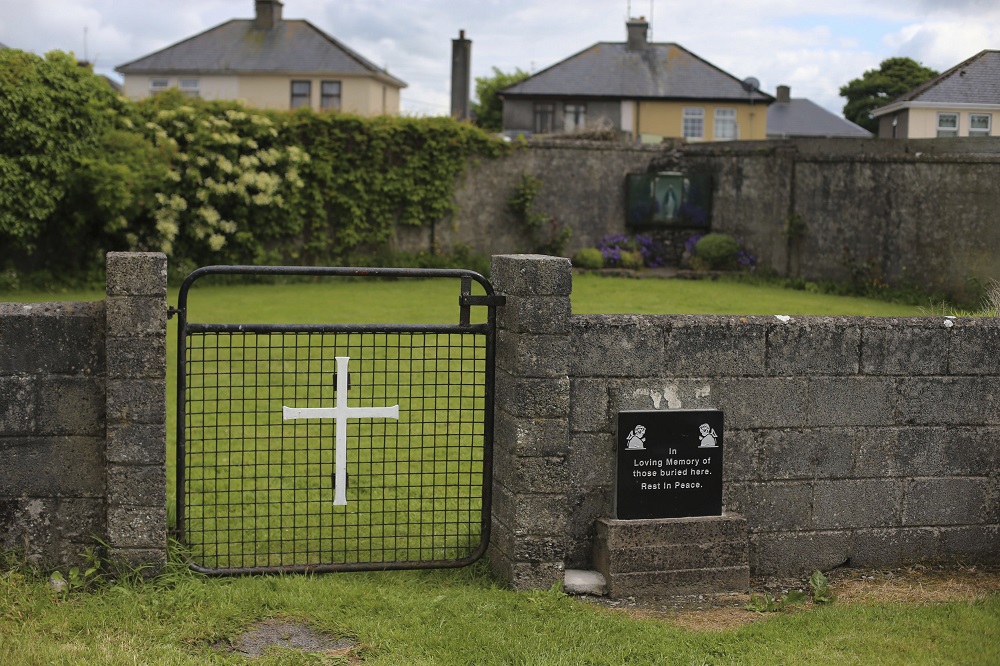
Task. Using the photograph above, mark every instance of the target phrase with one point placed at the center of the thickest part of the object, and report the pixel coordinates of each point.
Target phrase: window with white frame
(694, 122)
(544, 116)
(980, 124)
(189, 87)
(301, 93)
(158, 85)
(574, 117)
(329, 95)
(947, 124)
(725, 125)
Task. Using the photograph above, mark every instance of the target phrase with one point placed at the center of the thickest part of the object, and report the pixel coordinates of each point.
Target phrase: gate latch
(467, 300)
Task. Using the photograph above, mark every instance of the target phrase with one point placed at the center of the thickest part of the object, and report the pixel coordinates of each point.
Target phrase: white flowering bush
(232, 185)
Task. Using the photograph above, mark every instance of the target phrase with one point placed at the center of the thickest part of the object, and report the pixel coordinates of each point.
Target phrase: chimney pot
(784, 94)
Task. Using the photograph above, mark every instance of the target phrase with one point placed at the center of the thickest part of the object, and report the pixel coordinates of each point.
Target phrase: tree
(53, 114)
(488, 111)
(878, 87)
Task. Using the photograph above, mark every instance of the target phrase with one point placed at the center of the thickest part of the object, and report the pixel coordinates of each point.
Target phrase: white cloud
(815, 49)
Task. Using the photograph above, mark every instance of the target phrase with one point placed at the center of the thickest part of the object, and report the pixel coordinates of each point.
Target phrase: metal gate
(335, 447)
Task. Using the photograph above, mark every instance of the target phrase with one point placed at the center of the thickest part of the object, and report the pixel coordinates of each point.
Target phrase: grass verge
(462, 617)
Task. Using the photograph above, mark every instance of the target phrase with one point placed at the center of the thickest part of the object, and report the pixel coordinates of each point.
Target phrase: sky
(814, 47)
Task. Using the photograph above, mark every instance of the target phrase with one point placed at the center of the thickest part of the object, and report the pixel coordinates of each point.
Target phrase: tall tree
(53, 113)
(488, 110)
(877, 87)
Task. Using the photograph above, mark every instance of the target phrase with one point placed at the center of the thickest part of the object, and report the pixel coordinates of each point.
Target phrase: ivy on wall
(207, 182)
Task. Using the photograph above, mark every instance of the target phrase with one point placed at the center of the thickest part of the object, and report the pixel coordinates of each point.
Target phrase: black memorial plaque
(669, 464)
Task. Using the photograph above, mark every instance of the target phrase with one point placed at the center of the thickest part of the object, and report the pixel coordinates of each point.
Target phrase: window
(301, 93)
(329, 95)
(189, 87)
(574, 117)
(158, 85)
(544, 116)
(979, 124)
(947, 124)
(694, 122)
(725, 125)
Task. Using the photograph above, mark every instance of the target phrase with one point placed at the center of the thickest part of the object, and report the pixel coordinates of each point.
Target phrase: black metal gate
(335, 447)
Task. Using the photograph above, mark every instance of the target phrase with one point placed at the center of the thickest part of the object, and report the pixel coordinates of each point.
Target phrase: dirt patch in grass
(918, 584)
(286, 634)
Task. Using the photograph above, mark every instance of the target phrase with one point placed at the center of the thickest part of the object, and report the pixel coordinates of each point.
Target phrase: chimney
(784, 94)
(268, 14)
(637, 30)
(461, 67)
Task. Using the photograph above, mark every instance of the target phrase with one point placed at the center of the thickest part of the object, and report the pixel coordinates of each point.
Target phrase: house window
(329, 95)
(189, 87)
(574, 117)
(947, 124)
(979, 124)
(544, 117)
(301, 93)
(694, 122)
(158, 85)
(725, 124)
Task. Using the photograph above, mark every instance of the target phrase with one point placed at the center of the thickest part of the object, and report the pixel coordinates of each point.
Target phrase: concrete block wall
(873, 441)
(83, 420)
(52, 395)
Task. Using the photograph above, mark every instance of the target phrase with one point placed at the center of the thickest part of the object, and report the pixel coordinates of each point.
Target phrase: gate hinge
(171, 311)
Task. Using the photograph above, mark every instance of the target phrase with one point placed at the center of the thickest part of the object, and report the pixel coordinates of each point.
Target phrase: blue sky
(815, 48)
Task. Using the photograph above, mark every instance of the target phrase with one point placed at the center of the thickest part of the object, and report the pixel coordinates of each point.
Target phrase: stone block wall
(874, 441)
(907, 212)
(83, 420)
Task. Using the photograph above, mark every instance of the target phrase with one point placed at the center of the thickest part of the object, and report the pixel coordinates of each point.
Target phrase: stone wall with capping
(903, 212)
(867, 441)
(83, 420)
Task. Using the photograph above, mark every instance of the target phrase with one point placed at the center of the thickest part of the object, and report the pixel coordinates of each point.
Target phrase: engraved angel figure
(708, 437)
(637, 438)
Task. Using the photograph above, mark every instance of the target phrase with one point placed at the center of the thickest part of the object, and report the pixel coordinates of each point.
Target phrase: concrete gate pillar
(530, 528)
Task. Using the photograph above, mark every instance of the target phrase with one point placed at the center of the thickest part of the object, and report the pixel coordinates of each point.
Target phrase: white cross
(340, 413)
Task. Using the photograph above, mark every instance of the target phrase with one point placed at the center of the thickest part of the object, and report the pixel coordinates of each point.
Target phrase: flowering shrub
(651, 250)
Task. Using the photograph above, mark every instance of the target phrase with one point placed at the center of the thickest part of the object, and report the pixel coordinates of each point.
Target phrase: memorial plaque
(669, 464)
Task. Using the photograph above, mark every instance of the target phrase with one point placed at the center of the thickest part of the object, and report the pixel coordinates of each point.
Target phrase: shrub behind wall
(207, 181)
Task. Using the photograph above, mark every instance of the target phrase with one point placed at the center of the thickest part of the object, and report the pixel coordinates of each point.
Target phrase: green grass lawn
(461, 616)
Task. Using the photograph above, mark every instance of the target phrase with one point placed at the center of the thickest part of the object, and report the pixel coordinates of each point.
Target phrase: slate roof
(975, 81)
(657, 71)
(800, 117)
(239, 47)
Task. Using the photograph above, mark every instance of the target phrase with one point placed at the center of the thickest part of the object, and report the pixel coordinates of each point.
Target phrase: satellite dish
(750, 84)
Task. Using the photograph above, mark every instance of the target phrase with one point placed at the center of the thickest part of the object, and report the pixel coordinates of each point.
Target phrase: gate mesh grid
(259, 491)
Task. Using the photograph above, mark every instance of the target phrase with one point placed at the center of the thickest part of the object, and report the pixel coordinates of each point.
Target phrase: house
(649, 90)
(959, 102)
(270, 63)
(794, 118)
